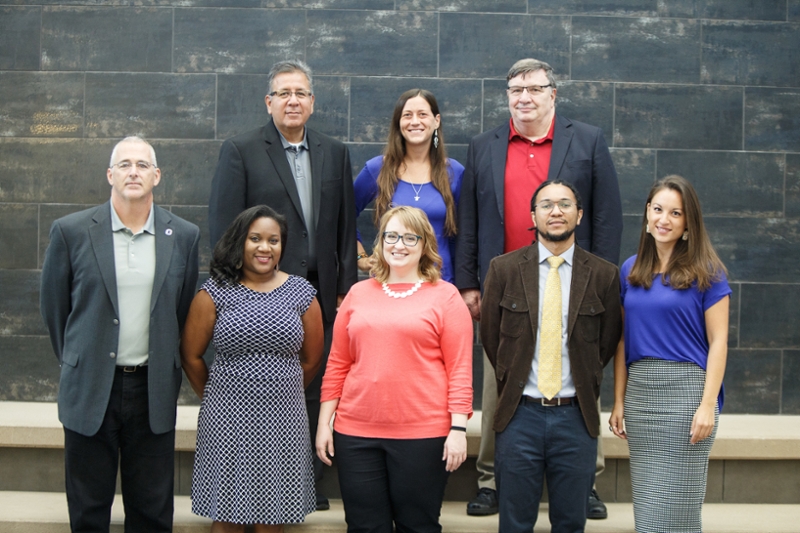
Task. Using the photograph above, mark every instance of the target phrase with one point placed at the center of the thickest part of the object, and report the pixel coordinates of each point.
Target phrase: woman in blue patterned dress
(253, 458)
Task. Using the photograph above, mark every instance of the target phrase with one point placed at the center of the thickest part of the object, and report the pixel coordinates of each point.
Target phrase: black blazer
(580, 156)
(79, 305)
(253, 170)
(509, 323)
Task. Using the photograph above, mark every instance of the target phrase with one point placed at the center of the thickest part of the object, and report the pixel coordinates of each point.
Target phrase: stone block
(177, 106)
(240, 103)
(772, 119)
(19, 38)
(794, 11)
(725, 9)
(793, 185)
(457, 152)
(762, 482)
(485, 46)
(631, 231)
(42, 104)
(635, 49)
(753, 382)
(49, 170)
(30, 369)
(49, 213)
(624, 492)
(630, 8)
(715, 482)
(753, 182)
(374, 43)
(235, 40)
(198, 215)
(757, 249)
(495, 102)
(32, 469)
(692, 117)
(107, 39)
(790, 400)
(19, 306)
(592, 103)
(472, 6)
(331, 106)
(734, 315)
(380, 5)
(636, 170)
(373, 101)
(769, 315)
(606, 483)
(750, 53)
(187, 168)
(360, 153)
(19, 236)
(184, 467)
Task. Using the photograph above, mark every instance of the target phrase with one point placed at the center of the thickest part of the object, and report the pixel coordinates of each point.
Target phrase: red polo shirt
(527, 164)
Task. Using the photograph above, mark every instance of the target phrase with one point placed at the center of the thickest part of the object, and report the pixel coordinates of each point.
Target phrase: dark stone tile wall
(705, 88)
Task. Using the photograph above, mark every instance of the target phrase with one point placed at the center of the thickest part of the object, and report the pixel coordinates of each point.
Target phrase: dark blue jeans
(544, 443)
(145, 460)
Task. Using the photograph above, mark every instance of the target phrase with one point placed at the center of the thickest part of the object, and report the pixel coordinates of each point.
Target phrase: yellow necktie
(550, 340)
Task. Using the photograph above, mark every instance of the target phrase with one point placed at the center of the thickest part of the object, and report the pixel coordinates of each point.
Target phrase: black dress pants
(145, 460)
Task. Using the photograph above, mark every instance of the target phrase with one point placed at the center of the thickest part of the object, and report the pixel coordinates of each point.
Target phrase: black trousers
(391, 483)
(124, 441)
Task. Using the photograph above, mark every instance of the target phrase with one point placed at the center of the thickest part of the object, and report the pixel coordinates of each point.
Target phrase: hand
(617, 421)
(455, 449)
(702, 424)
(324, 444)
(364, 264)
(472, 297)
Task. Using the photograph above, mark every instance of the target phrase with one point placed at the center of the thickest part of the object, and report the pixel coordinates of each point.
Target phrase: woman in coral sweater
(399, 379)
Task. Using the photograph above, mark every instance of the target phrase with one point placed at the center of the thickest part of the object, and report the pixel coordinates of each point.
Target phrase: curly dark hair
(226, 263)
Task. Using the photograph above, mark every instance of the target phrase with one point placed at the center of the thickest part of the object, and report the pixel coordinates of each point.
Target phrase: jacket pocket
(513, 316)
(589, 316)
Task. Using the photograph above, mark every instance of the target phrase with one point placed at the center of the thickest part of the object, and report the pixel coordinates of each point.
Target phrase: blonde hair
(430, 264)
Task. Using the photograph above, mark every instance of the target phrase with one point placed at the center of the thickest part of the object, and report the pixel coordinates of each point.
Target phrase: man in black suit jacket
(503, 168)
(305, 176)
(117, 282)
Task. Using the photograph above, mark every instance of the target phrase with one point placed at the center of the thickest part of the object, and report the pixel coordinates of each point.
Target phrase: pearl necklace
(391, 294)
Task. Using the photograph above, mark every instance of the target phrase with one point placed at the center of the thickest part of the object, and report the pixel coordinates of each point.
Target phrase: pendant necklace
(416, 192)
(391, 294)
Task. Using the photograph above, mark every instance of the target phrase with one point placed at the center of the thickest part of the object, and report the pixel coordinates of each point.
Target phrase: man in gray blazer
(117, 282)
(305, 176)
(503, 168)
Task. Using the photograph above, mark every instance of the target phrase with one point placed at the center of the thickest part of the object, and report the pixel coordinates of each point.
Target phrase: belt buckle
(129, 369)
(556, 402)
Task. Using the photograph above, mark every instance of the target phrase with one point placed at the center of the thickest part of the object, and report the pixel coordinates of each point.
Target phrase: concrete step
(46, 512)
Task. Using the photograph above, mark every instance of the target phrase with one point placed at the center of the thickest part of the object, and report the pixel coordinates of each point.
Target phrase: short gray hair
(288, 66)
(133, 139)
(524, 66)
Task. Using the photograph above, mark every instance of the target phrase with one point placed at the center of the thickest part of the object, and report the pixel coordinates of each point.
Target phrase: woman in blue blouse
(669, 366)
(414, 170)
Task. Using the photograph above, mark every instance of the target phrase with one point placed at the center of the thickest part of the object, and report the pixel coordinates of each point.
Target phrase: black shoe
(322, 503)
(484, 504)
(597, 509)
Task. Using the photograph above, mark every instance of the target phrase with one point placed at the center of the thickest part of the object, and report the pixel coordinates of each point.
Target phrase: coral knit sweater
(400, 366)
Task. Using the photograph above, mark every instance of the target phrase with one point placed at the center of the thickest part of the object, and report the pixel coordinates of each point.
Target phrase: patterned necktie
(550, 336)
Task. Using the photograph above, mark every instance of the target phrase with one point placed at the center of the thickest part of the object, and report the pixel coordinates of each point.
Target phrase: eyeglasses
(533, 90)
(563, 205)
(285, 94)
(409, 239)
(126, 165)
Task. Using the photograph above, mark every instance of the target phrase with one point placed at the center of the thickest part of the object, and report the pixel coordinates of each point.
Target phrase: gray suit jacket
(253, 170)
(509, 324)
(79, 305)
(580, 156)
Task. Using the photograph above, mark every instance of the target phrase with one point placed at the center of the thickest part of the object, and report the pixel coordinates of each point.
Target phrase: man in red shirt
(504, 167)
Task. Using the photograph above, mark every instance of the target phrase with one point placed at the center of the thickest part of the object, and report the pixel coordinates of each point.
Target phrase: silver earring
(647, 228)
(685, 235)
(436, 138)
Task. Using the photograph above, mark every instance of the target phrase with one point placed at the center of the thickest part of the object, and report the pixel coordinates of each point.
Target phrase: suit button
(521, 384)
(112, 355)
(116, 322)
(513, 306)
(305, 234)
(303, 262)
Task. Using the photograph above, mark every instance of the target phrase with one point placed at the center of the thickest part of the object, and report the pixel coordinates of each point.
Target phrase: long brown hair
(415, 219)
(395, 152)
(692, 260)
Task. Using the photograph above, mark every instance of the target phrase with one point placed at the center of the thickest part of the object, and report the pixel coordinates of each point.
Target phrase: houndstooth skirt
(668, 473)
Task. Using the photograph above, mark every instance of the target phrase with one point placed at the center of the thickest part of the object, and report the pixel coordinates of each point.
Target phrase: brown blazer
(509, 323)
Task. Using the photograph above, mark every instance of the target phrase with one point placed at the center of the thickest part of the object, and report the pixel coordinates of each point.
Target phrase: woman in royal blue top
(414, 170)
(669, 366)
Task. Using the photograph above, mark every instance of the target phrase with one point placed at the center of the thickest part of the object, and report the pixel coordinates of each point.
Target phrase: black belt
(141, 369)
(554, 402)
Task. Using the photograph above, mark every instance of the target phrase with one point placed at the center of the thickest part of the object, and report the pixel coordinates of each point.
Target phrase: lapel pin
(168, 231)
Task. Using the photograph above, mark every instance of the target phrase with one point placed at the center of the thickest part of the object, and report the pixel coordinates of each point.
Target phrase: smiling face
(666, 219)
(417, 121)
(556, 224)
(262, 248)
(132, 184)
(290, 114)
(527, 109)
(402, 259)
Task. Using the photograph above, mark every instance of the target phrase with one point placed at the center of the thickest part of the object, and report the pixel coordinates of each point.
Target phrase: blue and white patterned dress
(253, 459)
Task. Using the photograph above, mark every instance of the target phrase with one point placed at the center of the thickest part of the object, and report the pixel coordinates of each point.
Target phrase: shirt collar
(117, 225)
(512, 134)
(286, 144)
(544, 253)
